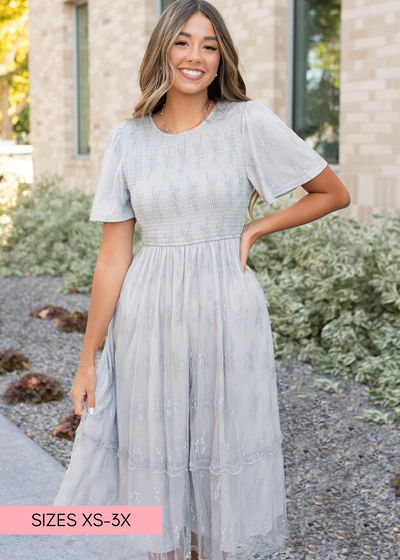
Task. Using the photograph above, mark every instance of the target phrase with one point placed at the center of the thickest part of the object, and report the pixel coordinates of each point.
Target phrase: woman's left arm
(326, 193)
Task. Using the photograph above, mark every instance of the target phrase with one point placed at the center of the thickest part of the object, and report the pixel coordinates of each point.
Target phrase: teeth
(192, 72)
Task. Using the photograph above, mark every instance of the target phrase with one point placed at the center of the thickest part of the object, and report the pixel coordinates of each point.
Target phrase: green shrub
(51, 235)
(34, 388)
(332, 289)
(12, 360)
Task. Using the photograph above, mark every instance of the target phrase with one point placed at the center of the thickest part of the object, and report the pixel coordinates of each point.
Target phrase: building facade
(329, 68)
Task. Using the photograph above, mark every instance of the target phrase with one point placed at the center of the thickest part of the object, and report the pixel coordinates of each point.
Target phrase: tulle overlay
(196, 432)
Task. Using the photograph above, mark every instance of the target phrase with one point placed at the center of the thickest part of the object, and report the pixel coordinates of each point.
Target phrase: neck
(182, 111)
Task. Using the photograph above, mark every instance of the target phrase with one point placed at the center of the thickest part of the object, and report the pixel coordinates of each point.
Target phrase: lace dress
(186, 410)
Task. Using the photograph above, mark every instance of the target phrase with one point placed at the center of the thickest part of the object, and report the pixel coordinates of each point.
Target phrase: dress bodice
(195, 186)
(189, 187)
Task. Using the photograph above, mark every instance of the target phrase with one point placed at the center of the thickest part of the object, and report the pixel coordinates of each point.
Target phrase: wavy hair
(156, 66)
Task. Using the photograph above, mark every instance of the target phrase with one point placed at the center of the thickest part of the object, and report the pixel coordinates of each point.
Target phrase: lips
(191, 76)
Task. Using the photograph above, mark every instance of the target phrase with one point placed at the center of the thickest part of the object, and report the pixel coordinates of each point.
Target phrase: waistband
(182, 243)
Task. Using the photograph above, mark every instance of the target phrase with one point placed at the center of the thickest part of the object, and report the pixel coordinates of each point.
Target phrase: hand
(83, 389)
(246, 241)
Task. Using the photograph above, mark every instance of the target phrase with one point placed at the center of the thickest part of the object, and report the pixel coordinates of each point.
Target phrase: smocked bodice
(189, 187)
(195, 186)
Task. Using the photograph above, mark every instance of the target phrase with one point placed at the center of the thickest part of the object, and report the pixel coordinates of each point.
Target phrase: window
(164, 4)
(82, 80)
(316, 75)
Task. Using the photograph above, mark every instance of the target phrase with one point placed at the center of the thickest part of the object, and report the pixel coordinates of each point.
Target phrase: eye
(208, 47)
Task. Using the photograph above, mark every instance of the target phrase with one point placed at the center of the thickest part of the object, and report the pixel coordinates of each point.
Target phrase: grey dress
(186, 410)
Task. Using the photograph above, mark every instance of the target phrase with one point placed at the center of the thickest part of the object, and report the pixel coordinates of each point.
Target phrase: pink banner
(93, 520)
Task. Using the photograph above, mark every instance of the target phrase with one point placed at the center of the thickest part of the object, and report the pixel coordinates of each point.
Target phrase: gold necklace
(194, 126)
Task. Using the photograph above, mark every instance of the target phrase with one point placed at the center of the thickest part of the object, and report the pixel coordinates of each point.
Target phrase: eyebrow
(207, 38)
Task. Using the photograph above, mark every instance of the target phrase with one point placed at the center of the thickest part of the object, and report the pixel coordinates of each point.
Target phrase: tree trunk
(6, 123)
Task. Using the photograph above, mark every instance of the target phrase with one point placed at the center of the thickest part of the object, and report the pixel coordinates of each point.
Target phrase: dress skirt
(186, 414)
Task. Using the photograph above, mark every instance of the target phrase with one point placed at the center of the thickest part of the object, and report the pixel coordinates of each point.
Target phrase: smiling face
(195, 55)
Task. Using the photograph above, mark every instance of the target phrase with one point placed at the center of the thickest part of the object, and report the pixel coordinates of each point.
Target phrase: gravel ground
(338, 469)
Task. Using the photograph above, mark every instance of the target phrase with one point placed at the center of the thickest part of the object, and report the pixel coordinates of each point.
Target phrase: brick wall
(52, 92)
(118, 33)
(370, 106)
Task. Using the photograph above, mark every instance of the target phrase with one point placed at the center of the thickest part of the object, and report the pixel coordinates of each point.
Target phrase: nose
(194, 55)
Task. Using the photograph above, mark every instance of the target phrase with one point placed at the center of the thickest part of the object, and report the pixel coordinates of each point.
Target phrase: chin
(191, 88)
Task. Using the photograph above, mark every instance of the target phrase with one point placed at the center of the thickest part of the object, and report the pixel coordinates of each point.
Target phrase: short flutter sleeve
(277, 160)
(111, 201)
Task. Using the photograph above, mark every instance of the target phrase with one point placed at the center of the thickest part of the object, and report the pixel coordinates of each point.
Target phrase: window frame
(77, 155)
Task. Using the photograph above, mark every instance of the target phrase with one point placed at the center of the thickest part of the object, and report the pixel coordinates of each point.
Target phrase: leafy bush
(74, 322)
(12, 360)
(51, 235)
(332, 289)
(49, 312)
(34, 388)
(68, 426)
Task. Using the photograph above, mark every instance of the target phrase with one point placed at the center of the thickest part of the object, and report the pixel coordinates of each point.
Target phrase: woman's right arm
(114, 260)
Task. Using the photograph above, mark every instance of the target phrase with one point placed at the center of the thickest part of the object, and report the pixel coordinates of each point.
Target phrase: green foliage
(14, 72)
(51, 235)
(68, 426)
(377, 416)
(21, 123)
(34, 388)
(12, 360)
(332, 289)
(11, 10)
(328, 385)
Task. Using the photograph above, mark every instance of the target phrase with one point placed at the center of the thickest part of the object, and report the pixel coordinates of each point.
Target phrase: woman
(184, 402)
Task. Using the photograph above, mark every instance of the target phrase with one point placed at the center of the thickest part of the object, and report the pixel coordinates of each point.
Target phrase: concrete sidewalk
(30, 476)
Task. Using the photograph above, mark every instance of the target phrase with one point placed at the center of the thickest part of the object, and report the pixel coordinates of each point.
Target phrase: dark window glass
(82, 86)
(316, 75)
(165, 3)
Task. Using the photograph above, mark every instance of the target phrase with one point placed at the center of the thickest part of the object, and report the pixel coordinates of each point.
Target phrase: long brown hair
(156, 66)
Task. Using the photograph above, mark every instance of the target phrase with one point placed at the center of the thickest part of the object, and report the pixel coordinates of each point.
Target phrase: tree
(14, 76)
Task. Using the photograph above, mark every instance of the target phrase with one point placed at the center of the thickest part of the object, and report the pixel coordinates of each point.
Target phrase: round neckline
(192, 130)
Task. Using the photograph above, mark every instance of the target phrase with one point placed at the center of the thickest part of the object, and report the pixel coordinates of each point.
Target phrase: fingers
(90, 402)
(83, 391)
(90, 391)
(79, 402)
